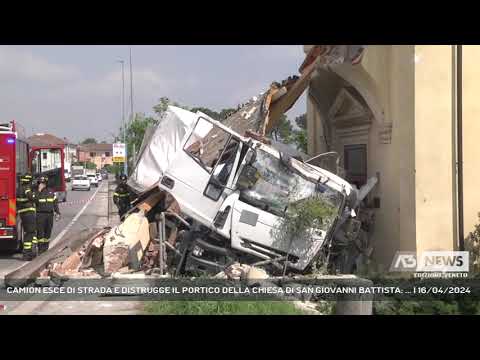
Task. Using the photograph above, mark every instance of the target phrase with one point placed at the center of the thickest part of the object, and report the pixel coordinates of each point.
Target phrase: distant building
(99, 154)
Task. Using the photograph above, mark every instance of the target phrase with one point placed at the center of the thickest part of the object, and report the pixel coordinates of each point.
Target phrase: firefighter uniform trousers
(47, 205)
(121, 197)
(26, 210)
(44, 230)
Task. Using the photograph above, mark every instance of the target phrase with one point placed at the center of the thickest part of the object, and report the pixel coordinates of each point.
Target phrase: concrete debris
(44, 273)
(236, 271)
(72, 262)
(129, 276)
(221, 275)
(134, 236)
(255, 273)
(151, 256)
(115, 257)
(239, 271)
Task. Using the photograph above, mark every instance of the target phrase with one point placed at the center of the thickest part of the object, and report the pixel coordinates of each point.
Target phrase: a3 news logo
(431, 261)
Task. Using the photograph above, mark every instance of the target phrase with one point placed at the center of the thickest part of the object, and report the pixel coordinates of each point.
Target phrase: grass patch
(221, 308)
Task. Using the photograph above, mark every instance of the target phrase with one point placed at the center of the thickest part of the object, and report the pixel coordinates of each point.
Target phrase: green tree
(285, 130)
(301, 121)
(213, 114)
(225, 113)
(301, 141)
(163, 104)
(288, 135)
(89, 141)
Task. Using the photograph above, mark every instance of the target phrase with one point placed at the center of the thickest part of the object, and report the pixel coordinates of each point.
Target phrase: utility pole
(125, 169)
(131, 85)
(131, 103)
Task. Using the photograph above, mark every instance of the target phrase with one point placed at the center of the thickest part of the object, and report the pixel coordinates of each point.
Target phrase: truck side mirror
(251, 156)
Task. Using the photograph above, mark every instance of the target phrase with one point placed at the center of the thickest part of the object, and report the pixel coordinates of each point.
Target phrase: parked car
(93, 179)
(99, 177)
(80, 182)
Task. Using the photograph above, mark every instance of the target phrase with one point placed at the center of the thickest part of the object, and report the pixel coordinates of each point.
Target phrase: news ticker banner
(208, 289)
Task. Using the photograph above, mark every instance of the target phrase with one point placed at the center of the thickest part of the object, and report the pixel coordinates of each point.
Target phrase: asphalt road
(78, 215)
(92, 215)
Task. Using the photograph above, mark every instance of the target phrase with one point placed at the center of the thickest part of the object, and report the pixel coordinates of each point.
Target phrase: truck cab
(238, 191)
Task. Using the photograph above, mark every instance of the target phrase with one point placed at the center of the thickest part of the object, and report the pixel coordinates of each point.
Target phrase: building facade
(99, 154)
(395, 116)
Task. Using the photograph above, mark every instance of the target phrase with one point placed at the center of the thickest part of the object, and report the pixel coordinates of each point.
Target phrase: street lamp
(123, 113)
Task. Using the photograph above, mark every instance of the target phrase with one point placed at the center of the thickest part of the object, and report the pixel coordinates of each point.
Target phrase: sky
(75, 91)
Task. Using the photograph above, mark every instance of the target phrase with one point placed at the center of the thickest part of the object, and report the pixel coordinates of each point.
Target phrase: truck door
(49, 161)
(200, 174)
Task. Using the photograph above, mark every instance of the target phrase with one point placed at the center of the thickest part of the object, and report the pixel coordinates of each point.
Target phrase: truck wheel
(19, 239)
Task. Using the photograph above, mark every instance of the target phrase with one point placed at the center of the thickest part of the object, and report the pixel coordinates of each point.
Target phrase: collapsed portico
(392, 116)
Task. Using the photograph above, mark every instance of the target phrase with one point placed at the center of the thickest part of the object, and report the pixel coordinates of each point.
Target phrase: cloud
(277, 53)
(17, 63)
(145, 80)
(66, 91)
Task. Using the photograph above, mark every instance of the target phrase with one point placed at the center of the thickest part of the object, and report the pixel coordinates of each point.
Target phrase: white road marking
(74, 220)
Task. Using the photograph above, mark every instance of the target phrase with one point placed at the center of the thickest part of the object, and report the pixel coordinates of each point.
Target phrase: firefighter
(47, 207)
(27, 212)
(121, 196)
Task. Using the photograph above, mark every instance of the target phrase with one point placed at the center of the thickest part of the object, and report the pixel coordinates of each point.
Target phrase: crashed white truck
(231, 193)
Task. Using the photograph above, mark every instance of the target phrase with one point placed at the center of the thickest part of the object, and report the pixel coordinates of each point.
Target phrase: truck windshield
(280, 186)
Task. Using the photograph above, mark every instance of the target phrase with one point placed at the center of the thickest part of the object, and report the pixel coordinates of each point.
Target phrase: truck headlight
(197, 251)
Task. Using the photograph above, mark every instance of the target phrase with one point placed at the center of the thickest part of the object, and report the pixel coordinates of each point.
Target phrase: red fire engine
(14, 161)
(17, 158)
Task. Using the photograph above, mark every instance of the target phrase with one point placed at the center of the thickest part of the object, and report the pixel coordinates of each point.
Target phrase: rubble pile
(128, 247)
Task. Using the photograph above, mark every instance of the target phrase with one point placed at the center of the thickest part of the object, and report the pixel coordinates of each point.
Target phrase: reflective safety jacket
(121, 196)
(46, 202)
(25, 199)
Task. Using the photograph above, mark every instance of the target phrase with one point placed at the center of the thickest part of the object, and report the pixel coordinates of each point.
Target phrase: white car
(93, 179)
(80, 182)
(99, 177)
